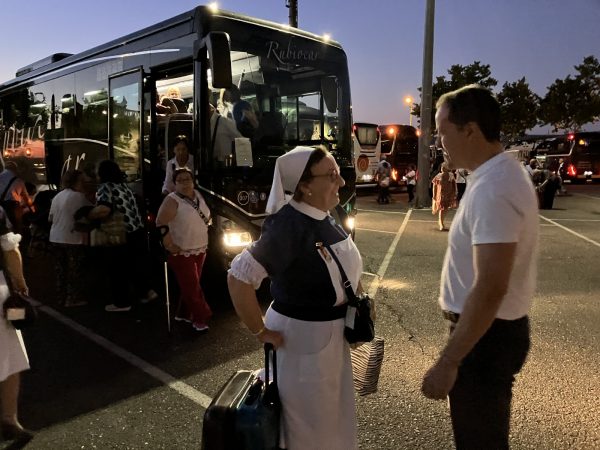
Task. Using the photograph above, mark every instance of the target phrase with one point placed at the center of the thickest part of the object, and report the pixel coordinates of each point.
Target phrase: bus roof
(191, 18)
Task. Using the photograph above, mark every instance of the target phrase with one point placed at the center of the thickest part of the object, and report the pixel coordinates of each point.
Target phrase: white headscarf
(288, 171)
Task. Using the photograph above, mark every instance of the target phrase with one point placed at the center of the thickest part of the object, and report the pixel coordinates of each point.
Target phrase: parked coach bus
(72, 111)
(579, 152)
(367, 152)
(401, 144)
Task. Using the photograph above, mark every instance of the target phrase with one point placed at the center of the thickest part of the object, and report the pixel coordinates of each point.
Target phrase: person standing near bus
(182, 158)
(411, 182)
(488, 276)
(305, 322)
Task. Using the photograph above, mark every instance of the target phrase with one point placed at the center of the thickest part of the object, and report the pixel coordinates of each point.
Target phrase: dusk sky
(539, 39)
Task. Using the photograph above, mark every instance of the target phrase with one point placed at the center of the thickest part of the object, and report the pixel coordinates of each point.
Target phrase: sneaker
(181, 319)
(150, 297)
(115, 308)
(199, 326)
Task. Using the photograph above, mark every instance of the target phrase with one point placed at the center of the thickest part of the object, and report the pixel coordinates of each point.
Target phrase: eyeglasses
(184, 180)
(333, 175)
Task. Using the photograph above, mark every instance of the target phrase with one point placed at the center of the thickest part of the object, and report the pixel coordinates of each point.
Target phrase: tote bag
(366, 365)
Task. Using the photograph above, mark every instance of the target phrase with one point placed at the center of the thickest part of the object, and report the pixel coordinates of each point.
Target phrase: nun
(305, 321)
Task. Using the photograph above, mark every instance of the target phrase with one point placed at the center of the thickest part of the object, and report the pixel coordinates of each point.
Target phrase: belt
(451, 316)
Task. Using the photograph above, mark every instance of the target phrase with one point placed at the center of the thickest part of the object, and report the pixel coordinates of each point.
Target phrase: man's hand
(439, 380)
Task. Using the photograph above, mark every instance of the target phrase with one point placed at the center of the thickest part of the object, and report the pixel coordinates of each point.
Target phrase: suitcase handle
(270, 349)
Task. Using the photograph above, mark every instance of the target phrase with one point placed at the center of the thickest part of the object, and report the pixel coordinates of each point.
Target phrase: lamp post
(409, 101)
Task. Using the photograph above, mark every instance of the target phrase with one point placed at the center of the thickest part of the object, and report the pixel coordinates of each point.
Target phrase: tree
(574, 101)
(459, 76)
(519, 108)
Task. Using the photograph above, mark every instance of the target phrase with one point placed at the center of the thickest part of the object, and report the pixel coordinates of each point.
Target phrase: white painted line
(375, 231)
(383, 212)
(182, 388)
(576, 220)
(585, 195)
(374, 287)
(581, 236)
(369, 274)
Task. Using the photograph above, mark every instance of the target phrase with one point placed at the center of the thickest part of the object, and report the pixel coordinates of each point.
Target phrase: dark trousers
(460, 190)
(69, 262)
(481, 397)
(410, 188)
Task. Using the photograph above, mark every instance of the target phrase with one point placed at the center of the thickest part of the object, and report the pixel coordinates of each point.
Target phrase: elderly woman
(126, 263)
(67, 243)
(185, 218)
(182, 158)
(13, 356)
(305, 322)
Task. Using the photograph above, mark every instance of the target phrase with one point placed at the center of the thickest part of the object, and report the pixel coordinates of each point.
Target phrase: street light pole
(293, 6)
(408, 100)
(422, 198)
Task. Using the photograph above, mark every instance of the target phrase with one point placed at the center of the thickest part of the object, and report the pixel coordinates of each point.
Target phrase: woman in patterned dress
(113, 194)
(444, 194)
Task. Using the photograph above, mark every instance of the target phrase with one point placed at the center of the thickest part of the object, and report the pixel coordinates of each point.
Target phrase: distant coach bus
(367, 152)
(579, 152)
(401, 144)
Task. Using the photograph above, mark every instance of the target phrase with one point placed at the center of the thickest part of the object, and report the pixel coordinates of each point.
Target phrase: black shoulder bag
(360, 327)
(196, 206)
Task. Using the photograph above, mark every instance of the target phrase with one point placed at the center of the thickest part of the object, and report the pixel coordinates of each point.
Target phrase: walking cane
(167, 298)
(163, 230)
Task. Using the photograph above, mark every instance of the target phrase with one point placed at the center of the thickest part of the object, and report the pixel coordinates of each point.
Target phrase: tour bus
(367, 152)
(579, 152)
(72, 111)
(401, 144)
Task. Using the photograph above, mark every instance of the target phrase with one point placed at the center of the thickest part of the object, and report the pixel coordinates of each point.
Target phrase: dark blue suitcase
(244, 415)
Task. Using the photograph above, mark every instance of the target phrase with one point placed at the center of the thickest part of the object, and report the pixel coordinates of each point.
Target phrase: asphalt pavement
(119, 380)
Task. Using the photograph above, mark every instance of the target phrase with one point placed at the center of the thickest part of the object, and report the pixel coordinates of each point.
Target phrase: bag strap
(196, 206)
(352, 298)
(269, 349)
(12, 180)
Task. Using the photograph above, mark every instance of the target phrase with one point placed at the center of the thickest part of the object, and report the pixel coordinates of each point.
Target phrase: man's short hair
(474, 103)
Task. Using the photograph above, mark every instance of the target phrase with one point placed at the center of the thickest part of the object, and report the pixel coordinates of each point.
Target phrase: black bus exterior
(72, 111)
(575, 155)
(401, 144)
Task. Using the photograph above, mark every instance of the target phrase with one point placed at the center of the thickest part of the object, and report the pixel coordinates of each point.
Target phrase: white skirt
(13, 356)
(315, 384)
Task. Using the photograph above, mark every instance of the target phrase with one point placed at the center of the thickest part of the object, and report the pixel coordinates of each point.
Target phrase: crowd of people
(486, 287)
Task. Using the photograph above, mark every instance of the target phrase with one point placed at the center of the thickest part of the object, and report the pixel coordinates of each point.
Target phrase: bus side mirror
(329, 89)
(219, 51)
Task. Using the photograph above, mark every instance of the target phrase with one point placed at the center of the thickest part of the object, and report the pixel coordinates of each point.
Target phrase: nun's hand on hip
(272, 337)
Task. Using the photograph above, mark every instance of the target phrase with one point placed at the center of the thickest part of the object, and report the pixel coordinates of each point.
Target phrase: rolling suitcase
(244, 415)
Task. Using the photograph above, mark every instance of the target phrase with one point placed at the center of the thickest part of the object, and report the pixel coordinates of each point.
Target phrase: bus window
(124, 123)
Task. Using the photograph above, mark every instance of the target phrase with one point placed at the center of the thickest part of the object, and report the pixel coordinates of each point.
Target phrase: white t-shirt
(499, 206)
(411, 176)
(63, 208)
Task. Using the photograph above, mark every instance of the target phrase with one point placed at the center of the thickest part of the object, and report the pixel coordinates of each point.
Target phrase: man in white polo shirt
(489, 273)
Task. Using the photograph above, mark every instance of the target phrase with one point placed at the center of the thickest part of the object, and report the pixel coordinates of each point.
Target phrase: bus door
(125, 131)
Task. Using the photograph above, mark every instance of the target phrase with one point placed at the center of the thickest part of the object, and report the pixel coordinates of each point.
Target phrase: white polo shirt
(499, 206)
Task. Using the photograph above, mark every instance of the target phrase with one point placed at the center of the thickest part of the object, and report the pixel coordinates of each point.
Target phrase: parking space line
(577, 194)
(375, 231)
(581, 236)
(383, 212)
(179, 386)
(576, 220)
(374, 287)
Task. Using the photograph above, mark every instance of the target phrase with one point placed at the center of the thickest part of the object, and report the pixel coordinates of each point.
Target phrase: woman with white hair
(298, 248)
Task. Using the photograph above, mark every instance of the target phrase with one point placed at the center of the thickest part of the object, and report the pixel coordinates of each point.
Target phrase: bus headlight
(367, 178)
(236, 239)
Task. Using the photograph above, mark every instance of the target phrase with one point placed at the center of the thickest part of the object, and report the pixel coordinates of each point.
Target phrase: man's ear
(471, 129)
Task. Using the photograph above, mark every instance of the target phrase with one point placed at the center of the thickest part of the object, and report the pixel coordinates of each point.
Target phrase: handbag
(366, 365)
(384, 182)
(359, 323)
(111, 232)
(19, 308)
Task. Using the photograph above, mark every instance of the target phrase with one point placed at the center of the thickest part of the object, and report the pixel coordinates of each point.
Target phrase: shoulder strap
(352, 299)
(196, 206)
(12, 180)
